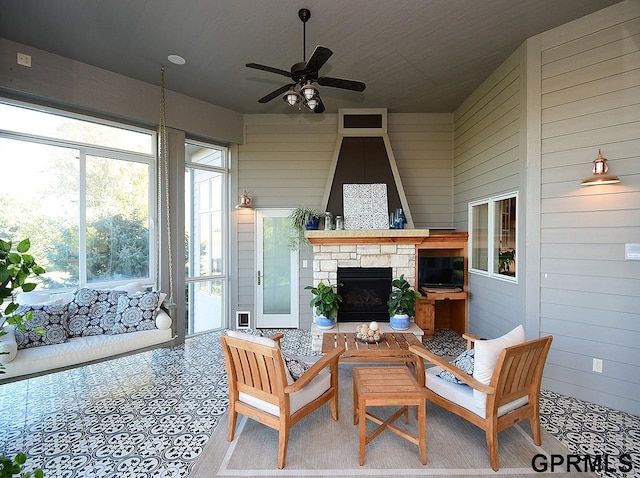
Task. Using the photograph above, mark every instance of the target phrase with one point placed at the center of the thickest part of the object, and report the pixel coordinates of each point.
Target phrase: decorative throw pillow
(464, 362)
(486, 357)
(295, 366)
(51, 318)
(136, 312)
(92, 312)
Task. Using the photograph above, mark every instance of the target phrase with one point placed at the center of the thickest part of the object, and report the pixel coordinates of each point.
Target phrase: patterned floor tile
(151, 414)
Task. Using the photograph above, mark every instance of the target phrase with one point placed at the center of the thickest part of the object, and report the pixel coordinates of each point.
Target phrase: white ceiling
(414, 55)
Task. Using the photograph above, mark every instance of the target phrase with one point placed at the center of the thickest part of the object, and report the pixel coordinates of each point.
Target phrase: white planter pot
(400, 322)
(324, 323)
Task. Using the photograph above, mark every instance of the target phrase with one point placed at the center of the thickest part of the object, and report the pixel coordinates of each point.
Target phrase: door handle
(258, 277)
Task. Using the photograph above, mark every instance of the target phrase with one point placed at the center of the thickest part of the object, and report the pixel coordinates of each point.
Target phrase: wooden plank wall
(487, 137)
(590, 295)
(286, 159)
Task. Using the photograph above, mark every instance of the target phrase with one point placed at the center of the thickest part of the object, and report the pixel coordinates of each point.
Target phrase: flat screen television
(441, 271)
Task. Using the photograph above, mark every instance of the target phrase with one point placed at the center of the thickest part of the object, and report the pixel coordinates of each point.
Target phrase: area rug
(320, 446)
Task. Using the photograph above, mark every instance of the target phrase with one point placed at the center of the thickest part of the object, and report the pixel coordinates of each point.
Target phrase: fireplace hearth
(364, 291)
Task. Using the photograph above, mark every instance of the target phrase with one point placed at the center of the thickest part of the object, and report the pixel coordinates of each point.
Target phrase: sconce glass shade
(308, 91)
(291, 97)
(600, 175)
(245, 201)
(312, 103)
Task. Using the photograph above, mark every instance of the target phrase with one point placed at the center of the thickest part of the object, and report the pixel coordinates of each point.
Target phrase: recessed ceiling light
(176, 59)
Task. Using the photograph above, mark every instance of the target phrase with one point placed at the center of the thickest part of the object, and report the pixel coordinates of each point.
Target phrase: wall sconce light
(600, 175)
(245, 201)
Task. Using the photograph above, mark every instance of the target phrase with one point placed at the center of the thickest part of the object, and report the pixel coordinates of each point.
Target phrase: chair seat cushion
(463, 394)
(299, 399)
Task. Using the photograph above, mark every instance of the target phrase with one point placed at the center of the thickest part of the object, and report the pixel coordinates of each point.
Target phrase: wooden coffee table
(388, 386)
(394, 347)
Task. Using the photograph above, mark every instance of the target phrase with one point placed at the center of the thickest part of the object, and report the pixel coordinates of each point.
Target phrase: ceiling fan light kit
(304, 74)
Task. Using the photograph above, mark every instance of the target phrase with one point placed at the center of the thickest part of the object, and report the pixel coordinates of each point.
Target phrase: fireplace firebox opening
(365, 292)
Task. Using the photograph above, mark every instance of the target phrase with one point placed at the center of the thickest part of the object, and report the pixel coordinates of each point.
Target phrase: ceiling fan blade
(274, 94)
(320, 108)
(270, 69)
(340, 83)
(318, 58)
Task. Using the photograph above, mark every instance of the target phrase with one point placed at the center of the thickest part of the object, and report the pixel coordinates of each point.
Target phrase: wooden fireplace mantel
(367, 236)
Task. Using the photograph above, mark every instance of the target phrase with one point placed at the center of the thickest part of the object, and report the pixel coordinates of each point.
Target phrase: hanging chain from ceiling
(163, 177)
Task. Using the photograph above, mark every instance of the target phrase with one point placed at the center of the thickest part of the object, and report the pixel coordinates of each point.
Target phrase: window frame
(197, 280)
(87, 150)
(492, 240)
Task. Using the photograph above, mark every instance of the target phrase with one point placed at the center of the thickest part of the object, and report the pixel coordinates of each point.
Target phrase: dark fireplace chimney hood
(363, 155)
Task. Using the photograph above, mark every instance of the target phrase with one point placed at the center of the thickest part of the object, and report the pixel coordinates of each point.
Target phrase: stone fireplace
(394, 249)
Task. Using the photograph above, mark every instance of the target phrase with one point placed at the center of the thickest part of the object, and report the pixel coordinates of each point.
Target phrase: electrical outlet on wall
(24, 59)
(597, 365)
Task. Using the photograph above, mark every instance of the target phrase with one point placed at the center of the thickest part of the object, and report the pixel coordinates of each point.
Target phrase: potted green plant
(301, 219)
(15, 269)
(506, 258)
(401, 303)
(13, 467)
(325, 301)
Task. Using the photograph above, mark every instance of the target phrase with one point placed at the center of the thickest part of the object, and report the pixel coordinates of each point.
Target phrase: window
(206, 229)
(81, 190)
(493, 226)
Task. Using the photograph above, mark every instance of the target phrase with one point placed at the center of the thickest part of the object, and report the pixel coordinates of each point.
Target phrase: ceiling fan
(304, 74)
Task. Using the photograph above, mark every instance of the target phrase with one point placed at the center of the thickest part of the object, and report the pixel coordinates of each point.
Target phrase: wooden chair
(512, 395)
(261, 388)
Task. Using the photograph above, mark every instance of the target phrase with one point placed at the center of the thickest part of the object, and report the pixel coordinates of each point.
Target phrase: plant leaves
(11, 308)
(28, 286)
(5, 246)
(14, 258)
(23, 246)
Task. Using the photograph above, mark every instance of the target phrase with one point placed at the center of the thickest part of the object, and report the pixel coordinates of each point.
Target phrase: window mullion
(82, 215)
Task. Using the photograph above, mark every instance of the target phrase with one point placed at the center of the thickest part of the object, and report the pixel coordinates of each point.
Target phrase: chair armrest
(446, 365)
(470, 338)
(330, 359)
(277, 338)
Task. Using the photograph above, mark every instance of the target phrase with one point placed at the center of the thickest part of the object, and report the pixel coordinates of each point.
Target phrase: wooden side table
(388, 386)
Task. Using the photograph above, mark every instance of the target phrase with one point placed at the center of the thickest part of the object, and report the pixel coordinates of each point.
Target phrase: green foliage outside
(116, 211)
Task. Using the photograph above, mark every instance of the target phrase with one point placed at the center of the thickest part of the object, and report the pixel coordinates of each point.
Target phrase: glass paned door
(277, 272)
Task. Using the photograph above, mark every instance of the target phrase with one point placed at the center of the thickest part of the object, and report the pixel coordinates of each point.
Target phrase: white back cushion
(486, 357)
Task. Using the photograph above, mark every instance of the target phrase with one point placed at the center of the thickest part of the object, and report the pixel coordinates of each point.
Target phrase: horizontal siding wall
(487, 137)
(423, 147)
(285, 162)
(590, 296)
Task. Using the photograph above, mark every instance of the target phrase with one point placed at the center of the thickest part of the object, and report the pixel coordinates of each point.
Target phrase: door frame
(294, 316)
